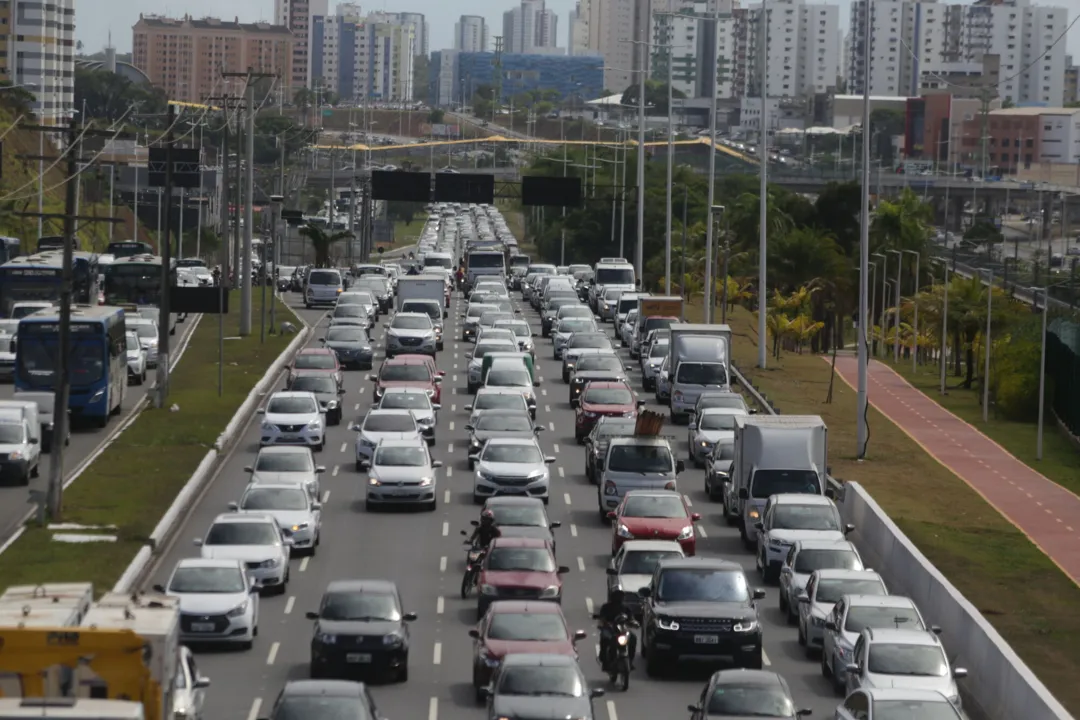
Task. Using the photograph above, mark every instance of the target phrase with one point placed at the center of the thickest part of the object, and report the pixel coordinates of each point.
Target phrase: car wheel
(403, 672)
(36, 470)
(477, 500)
(319, 447)
(358, 467)
(369, 506)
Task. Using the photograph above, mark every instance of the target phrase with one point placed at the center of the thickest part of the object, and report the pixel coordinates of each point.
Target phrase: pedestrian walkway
(1043, 510)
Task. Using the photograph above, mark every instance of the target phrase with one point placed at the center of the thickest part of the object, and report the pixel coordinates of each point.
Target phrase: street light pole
(1042, 378)
(640, 254)
(944, 325)
(710, 282)
(763, 203)
(915, 324)
(863, 429)
(670, 167)
(896, 309)
(986, 364)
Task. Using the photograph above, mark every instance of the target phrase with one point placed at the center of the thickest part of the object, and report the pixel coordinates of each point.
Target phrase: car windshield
(640, 459)
(489, 319)
(389, 422)
(486, 348)
(146, 330)
(503, 334)
(861, 617)
(701, 374)
(431, 309)
(315, 361)
(805, 517)
(654, 506)
(921, 709)
(12, 434)
(475, 311)
(750, 700)
(132, 341)
(401, 457)
(9, 327)
(405, 373)
(519, 329)
(702, 585)
(291, 406)
(719, 401)
(507, 422)
(323, 277)
(541, 681)
(285, 462)
(315, 384)
(207, 580)
(615, 429)
(509, 378)
(643, 562)
(499, 401)
(575, 311)
(242, 533)
(716, 421)
(411, 322)
(519, 516)
(589, 340)
(356, 298)
(262, 498)
(523, 559)
(350, 311)
(608, 396)
(907, 659)
(405, 401)
(767, 483)
(658, 350)
(576, 325)
(323, 707)
(599, 363)
(830, 591)
(527, 626)
(344, 333)
(360, 605)
(723, 452)
(522, 454)
(807, 561)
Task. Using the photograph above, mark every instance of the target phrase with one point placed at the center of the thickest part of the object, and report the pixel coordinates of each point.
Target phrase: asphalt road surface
(423, 553)
(86, 439)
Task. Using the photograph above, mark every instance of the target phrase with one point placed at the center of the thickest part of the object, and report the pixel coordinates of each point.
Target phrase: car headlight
(623, 639)
(367, 442)
(325, 639)
(481, 475)
(425, 481)
(98, 395)
(300, 526)
(15, 456)
(374, 482)
(538, 475)
(268, 426)
(686, 533)
(666, 624)
(271, 563)
(754, 514)
(488, 590)
(550, 591)
(745, 626)
(392, 640)
(315, 424)
(238, 610)
(332, 405)
(624, 532)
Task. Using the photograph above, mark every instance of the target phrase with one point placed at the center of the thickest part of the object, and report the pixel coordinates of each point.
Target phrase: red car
(604, 399)
(517, 568)
(315, 360)
(654, 515)
(519, 626)
(412, 371)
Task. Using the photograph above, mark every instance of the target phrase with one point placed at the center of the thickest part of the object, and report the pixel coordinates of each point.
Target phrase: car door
(372, 708)
(828, 642)
(762, 539)
(786, 572)
(856, 707)
(804, 607)
(481, 631)
(616, 567)
(853, 680)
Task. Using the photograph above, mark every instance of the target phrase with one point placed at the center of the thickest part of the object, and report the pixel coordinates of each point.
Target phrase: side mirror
(474, 457)
(436, 406)
(645, 592)
(202, 683)
(249, 469)
(803, 712)
(693, 708)
(409, 617)
(596, 692)
(197, 542)
(475, 634)
(474, 523)
(692, 426)
(936, 629)
(759, 526)
(234, 506)
(563, 569)
(599, 466)
(437, 379)
(849, 528)
(612, 572)
(260, 411)
(680, 466)
(320, 469)
(759, 594)
(549, 460)
(555, 524)
(580, 635)
(695, 516)
(322, 339)
(852, 668)
(484, 693)
(373, 377)
(341, 391)
(469, 428)
(611, 515)
(641, 403)
(468, 408)
(311, 615)
(365, 465)
(830, 625)
(316, 506)
(960, 673)
(538, 429)
(536, 383)
(354, 427)
(744, 494)
(804, 598)
(288, 542)
(468, 356)
(437, 464)
(159, 588)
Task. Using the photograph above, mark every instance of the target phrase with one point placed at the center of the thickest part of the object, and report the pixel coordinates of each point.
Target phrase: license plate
(706, 639)
(358, 658)
(202, 627)
(290, 438)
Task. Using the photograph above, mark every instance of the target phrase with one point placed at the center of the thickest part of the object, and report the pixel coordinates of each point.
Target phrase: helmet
(487, 518)
(616, 596)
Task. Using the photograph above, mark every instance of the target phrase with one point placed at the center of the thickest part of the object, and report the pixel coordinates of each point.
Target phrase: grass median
(136, 479)
(1015, 586)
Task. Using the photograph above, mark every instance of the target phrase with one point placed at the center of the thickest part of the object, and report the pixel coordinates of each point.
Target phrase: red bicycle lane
(1041, 509)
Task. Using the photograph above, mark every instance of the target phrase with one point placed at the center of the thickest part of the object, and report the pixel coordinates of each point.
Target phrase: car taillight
(670, 485)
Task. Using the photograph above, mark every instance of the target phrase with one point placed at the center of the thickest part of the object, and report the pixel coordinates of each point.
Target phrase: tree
(656, 93)
(109, 96)
(420, 81)
(322, 241)
(436, 116)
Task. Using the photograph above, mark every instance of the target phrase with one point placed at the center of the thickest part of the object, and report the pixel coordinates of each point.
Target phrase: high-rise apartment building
(611, 24)
(421, 31)
(577, 40)
(471, 34)
(37, 51)
(1072, 82)
(296, 15)
(530, 28)
(186, 57)
(364, 57)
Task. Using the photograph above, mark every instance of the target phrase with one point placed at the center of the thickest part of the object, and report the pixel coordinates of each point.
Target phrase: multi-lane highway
(423, 553)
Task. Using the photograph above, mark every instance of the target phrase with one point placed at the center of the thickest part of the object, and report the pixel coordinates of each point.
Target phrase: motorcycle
(473, 560)
(617, 667)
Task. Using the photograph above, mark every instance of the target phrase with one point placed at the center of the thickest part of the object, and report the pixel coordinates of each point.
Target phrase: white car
(411, 333)
(902, 659)
(189, 688)
(147, 331)
(256, 541)
(381, 425)
(20, 456)
(885, 703)
(219, 602)
(626, 328)
(803, 559)
(9, 331)
(292, 418)
(651, 360)
(418, 403)
(137, 359)
(789, 517)
(511, 466)
(474, 369)
(298, 516)
(715, 425)
(567, 326)
(823, 590)
(287, 466)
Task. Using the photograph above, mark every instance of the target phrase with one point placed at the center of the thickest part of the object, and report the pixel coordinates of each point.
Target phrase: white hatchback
(292, 418)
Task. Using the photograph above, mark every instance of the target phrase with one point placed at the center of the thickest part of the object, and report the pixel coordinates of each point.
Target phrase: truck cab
(634, 463)
(700, 360)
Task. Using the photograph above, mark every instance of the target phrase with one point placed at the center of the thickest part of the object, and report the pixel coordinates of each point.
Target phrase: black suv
(700, 608)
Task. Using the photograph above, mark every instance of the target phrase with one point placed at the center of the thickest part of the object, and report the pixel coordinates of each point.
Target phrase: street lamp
(915, 324)
(884, 274)
(986, 341)
(944, 320)
(896, 309)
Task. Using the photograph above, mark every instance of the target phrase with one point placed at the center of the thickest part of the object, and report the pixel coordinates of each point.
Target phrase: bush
(1015, 381)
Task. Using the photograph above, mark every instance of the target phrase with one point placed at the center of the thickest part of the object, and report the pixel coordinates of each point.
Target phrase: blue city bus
(10, 248)
(127, 248)
(97, 365)
(136, 280)
(38, 277)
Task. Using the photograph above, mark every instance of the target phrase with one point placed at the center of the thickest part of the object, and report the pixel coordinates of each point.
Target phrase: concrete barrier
(134, 571)
(999, 685)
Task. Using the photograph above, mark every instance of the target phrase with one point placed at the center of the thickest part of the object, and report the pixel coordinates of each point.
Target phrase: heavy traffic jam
(537, 490)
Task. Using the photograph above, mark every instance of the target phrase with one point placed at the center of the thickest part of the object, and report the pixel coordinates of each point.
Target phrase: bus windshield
(37, 359)
(486, 260)
(138, 283)
(128, 248)
(21, 283)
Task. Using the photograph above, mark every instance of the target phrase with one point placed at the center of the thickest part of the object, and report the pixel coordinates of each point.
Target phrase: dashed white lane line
(589, 605)
(701, 532)
(449, 472)
(543, 391)
(273, 653)
(451, 426)
(326, 497)
(256, 705)
(343, 446)
(581, 563)
(689, 502)
(356, 406)
(337, 469)
(433, 709)
(612, 715)
(304, 564)
(765, 658)
(453, 408)
(573, 530)
(361, 391)
(555, 447)
(446, 497)
(566, 498)
(450, 448)
(445, 529)
(547, 409)
(442, 564)
(436, 656)
(551, 426)
(454, 379)
(562, 473)
(440, 605)
(289, 604)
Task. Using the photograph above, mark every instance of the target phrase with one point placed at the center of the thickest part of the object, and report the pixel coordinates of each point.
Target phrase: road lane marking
(436, 658)
(449, 471)
(445, 529)
(303, 564)
(256, 705)
(589, 605)
(451, 426)
(343, 446)
(455, 378)
(540, 379)
(289, 604)
(442, 564)
(551, 425)
(701, 532)
(562, 473)
(361, 391)
(356, 406)
(432, 711)
(765, 658)
(573, 530)
(547, 409)
(612, 715)
(566, 498)
(555, 447)
(453, 408)
(689, 502)
(581, 563)
(446, 497)
(326, 497)
(450, 448)
(440, 605)
(273, 653)
(337, 469)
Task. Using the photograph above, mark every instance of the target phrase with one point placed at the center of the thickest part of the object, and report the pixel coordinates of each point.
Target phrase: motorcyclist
(485, 532)
(608, 615)
(413, 270)
(460, 276)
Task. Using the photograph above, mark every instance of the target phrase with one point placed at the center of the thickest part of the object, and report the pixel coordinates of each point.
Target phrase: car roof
(640, 440)
(510, 500)
(526, 606)
(284, 450)
(743, 676)
(653, 493)
(411, 315)
(415, 442)
(907, 694)
(651, 545)
(607, 384)
(245, 517)
(404, 391)
(200, 562)
(388, 411)
(840, 574)
(800, 499)
(723, 411)
(813, 544)
(316, 351)
(288, 394)
(511, 441)
(883, 601)
(407, 360)
(336, 688)
(369, 585)
(521, 542)
(690, 563)
(902, 636)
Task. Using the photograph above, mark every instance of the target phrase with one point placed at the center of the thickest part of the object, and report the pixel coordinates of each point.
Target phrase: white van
(20, 452)
(24, 410)
(322, 287)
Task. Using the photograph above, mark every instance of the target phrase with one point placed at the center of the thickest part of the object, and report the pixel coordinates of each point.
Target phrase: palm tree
(322, 241)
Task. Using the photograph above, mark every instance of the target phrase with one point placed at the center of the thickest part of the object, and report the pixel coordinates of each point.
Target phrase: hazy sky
(95, 19)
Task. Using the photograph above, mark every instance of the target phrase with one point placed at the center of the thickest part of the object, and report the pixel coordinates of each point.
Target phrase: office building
(296, 15)
(186, 57)
(38, 53)
(611, 23)
(471, 34)
(364, 57)
(454, 75)
(421, 32)
(577, 39)
(530, 28)
(1020, 136)
(1072, 82)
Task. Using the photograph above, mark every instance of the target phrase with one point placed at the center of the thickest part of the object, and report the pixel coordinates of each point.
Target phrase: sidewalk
(1047, 513)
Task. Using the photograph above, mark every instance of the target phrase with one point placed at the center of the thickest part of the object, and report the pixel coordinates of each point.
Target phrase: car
(741, 693)
(407, 371)
(718, 468)
(321, 360)
(714, 425)
(470, 321)
(490, 424)
(433, 309)
(287, 466)
(219, 601)
(20, 452)
(625, 328)
(662, 386)
(522, 331)
(351, 346)
(700, 607)
(136, 358)
(520, 569)
(511, 466)
(292, 418)
(496, 399)
(511, 627)
(596, 442)
(888, 703)
(720, 399)
(9, 333)
(854, 613)
(189, 688)
(418, 403)
(513, 374)
(325, 390)
(631, 567)
(530, 684)
(581, 378)
(360, 298)
(401, 472)
(360, 625)
(350, 316)
(322, 286)
(379, 425)
(562, 329)
(823, 590)
(788, 517)
(902, 659)
(651, 360)
(147, 331)
(496, 333)
(474, 370)
(603, 399)
(298, 516)
(549, 309)
(806, 556)
(412, 333)
(256, 541)
(324, 698)
(582, 342)
(656, 515)
(522, 517)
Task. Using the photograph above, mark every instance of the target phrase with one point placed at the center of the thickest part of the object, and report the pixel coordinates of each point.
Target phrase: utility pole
(164, 328)
(352, 218)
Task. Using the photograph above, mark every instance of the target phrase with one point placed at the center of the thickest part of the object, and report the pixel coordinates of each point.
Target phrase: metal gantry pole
(986, 340)
(1042, 378)
(639, 261)
(863, 429)
(670, 168)
(165, 328)
(763, 204)
(249, 216)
